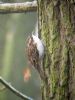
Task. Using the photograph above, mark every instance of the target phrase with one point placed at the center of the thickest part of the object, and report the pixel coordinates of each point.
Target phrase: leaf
(27, 74)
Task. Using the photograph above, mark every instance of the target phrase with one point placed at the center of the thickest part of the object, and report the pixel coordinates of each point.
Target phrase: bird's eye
(34, 60)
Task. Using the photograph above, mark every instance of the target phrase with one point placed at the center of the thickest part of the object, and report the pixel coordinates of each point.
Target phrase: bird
(35, 52)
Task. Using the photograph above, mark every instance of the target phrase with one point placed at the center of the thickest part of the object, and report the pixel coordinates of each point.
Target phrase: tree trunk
(57, 30)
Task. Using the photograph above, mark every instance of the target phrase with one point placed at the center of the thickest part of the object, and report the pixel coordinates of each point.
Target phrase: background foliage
(14, 30)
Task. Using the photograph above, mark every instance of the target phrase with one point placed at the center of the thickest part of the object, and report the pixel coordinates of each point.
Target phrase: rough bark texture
(57, 29)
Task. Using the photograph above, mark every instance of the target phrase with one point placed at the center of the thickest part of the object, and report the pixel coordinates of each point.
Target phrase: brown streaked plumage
(32, 52)
(33, 55)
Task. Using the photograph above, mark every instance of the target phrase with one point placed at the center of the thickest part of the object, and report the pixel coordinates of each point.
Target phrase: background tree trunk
(57, 29)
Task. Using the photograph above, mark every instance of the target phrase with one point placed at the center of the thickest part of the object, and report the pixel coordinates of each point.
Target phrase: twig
(18, 7)
(16, 92)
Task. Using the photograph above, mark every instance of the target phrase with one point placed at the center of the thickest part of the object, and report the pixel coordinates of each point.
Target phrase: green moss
(64, 72)
(55, 27)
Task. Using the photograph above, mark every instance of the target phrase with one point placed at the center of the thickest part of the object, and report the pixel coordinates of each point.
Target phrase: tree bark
(57, 30)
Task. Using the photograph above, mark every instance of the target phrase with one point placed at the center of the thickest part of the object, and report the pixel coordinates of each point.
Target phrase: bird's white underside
(40, 46)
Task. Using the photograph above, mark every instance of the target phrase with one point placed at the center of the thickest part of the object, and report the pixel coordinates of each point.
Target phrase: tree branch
(18, 7)
(16, 92)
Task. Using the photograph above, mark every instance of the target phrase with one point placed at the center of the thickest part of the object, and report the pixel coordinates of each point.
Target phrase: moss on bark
(57, 31)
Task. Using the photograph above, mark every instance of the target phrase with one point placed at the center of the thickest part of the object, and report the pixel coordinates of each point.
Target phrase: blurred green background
(14, 30)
